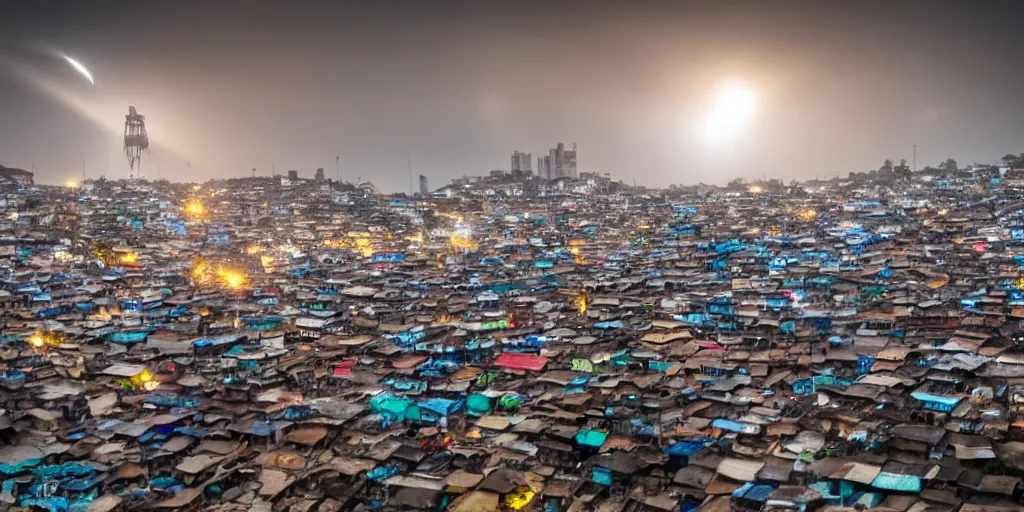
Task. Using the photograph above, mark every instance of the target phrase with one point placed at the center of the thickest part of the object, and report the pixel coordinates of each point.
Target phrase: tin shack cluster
(311, 346)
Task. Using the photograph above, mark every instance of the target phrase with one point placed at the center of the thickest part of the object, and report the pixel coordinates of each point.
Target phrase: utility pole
(915, 157)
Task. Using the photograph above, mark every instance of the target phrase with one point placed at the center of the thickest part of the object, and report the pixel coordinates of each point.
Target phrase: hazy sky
(229, 86)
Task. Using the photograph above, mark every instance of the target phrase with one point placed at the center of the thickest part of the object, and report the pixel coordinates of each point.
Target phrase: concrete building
(560, 163)
(319, 176)
(424, 189)
(521, 162)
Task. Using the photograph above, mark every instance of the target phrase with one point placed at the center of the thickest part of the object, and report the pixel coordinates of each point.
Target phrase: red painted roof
(343, 368)
(521, 361)
(709, 345)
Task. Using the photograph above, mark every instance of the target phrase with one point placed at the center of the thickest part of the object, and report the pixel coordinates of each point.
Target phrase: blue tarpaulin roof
(687, 448)
(733, 426)
(216, 340)
(754, 492)
(441, 406)
(928, 397)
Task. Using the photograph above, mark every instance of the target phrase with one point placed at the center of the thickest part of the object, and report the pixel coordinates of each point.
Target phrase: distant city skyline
(660, 93)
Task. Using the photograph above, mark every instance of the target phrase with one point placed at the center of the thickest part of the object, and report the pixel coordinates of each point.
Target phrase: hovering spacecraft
(135, 139)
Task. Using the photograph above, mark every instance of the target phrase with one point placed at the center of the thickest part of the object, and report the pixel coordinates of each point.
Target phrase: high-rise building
(319, 176)
(521, 162)
(424, 189)
(560, 163)
(293, 175)
(569, 163)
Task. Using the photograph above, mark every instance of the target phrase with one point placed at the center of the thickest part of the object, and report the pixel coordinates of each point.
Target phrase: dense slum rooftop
(258, 344)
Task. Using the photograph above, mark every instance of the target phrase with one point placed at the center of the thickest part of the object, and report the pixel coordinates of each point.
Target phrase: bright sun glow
(731, 111)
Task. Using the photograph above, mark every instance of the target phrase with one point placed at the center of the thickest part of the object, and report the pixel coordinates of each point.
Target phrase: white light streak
(80, 68)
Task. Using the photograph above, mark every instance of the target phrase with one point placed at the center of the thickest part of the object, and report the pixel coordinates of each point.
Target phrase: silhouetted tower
(135, 138)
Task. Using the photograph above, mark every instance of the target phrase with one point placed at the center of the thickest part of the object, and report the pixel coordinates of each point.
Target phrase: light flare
(462, 242)
(808, 215)
(195, 208)
(232, 278)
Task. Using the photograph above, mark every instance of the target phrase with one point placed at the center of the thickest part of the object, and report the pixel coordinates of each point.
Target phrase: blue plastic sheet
(18, 467)
(51, 504)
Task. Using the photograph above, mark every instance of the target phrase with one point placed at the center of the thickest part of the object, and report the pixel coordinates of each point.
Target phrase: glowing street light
(232, 278)
(195, 208)
(575, 251)
(581, 303)
(808, 215)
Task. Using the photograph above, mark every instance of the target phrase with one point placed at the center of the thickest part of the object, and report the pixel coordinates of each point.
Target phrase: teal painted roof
(905, 483)
(593, 438)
